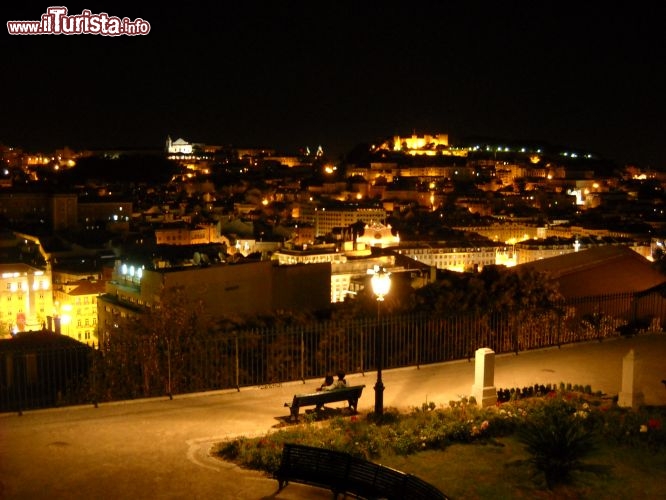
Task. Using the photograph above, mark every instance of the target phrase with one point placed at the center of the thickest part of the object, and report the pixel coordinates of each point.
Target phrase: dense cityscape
(89, 237)
(288, 249)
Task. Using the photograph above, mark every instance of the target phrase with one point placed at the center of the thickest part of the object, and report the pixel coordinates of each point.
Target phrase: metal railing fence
(151, 367)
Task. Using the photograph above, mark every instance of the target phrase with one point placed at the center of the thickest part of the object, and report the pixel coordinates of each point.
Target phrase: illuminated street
(159, 448)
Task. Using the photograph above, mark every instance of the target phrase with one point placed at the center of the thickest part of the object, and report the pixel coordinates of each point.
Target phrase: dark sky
(288, 74)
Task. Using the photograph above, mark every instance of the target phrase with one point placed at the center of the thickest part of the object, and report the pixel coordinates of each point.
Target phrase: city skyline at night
(338, 74)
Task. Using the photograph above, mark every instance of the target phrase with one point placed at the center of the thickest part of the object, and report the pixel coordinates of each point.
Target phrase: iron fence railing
(148, 367)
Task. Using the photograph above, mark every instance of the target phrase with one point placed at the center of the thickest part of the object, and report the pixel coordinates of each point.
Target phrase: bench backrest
(343, 473)
(329, 396)
(309, 465)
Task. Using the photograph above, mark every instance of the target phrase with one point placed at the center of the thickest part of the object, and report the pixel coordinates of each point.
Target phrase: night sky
(337, 73)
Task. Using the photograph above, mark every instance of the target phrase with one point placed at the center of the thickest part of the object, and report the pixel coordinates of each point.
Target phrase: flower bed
(577, 418)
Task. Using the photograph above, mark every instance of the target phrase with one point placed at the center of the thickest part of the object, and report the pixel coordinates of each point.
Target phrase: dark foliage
(557, 441)
(128, 168)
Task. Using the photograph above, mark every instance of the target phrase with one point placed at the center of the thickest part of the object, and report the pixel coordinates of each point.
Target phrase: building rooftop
(17, 267)
(599, 271)
(40, 340)
(89, 288)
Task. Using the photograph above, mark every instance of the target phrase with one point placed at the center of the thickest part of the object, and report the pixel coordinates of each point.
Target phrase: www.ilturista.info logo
(55, 21)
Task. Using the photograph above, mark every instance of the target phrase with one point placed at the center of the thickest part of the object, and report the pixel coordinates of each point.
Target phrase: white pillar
(630, 395)
(484, 390)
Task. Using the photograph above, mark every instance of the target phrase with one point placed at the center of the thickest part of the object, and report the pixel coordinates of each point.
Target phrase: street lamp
(381, 284)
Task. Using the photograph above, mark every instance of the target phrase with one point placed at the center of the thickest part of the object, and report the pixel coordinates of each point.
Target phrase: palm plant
(557, 440)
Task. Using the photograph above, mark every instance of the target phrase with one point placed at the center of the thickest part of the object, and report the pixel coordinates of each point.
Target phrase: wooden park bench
(350, 394)
(344, 474)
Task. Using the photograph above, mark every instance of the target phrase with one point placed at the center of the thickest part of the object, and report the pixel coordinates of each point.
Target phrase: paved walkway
(159, 448)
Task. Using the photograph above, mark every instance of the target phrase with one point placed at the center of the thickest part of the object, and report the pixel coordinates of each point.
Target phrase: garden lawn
(490, 471)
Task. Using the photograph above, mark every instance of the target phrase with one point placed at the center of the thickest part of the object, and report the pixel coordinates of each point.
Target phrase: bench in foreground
(343, 474)
(350, 394)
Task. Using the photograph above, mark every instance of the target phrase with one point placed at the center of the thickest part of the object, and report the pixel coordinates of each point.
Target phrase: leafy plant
(557, 440)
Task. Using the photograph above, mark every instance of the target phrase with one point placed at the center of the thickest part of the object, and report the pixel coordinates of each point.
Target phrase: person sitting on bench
(328, 385)
(341, 383)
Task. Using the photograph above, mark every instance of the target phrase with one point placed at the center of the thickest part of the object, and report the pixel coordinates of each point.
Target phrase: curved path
(159, 448)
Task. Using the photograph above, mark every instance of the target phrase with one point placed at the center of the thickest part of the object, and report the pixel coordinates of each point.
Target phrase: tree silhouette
(357, 229)
(148, 354)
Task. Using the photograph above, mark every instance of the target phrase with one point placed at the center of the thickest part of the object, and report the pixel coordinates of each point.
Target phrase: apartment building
(443, 256)
(75, 306)
(224, 289)
(25, 298)
(55, 211)
(328, 218)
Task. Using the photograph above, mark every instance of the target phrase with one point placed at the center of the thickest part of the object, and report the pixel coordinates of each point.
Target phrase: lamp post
(381, 284)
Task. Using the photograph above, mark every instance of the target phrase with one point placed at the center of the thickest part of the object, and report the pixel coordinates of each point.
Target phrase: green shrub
(557, 440)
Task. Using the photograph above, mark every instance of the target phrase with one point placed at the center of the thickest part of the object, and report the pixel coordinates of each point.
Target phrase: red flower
(654, 424)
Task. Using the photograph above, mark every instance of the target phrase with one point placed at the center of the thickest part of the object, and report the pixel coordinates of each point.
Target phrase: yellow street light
(381, 284)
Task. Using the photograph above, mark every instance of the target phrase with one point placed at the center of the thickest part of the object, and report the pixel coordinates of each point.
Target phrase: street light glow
(381, 284)
(380, 281)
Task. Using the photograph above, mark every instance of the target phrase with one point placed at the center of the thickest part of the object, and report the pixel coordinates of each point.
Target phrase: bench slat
(371, 478)
(342, 473)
